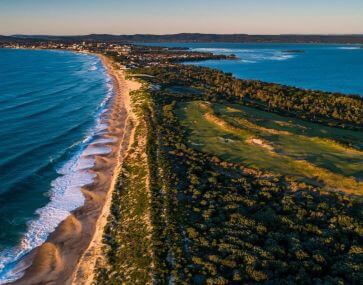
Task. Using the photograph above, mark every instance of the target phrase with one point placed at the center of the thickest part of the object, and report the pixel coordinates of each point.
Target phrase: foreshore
(69, 254)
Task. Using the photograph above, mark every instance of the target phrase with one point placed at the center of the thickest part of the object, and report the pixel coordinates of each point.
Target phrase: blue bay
(326, 67)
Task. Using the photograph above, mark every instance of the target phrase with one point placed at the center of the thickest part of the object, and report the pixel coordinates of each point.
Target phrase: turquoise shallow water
(50, 108)
(334, 68)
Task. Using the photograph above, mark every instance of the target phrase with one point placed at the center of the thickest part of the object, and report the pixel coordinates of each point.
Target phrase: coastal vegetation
(226, 223)
(229, 183)
(239, 192)
(128, 234)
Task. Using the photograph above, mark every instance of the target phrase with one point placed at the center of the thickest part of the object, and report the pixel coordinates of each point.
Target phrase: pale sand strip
(85, 272)
(76, 243)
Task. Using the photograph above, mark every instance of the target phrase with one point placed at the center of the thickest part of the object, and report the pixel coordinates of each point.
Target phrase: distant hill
(195, 37)
(4, 38)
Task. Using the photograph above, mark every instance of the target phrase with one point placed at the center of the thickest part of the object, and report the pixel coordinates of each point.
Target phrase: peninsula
(211, 179)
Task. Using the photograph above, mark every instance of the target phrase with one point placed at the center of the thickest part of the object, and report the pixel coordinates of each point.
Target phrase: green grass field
(309, 152)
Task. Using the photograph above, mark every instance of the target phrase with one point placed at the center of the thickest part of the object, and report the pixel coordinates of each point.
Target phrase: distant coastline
(190, 38)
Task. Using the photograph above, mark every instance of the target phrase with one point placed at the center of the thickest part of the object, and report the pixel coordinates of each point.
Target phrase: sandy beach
(71, 251)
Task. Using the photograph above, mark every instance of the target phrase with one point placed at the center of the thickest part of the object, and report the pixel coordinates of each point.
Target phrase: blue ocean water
(51, 104)
(333, 68)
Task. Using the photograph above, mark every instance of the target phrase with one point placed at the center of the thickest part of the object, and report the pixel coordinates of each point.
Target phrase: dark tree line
(323, 107)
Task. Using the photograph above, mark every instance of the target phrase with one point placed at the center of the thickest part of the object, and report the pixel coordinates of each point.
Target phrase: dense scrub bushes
(128, 237)
(217, 222)
(223, 226)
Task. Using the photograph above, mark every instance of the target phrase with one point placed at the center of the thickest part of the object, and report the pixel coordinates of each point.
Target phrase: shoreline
(60, 259)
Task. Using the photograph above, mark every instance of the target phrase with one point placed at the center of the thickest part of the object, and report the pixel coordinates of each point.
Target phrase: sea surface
(326, 67)
(51, 103)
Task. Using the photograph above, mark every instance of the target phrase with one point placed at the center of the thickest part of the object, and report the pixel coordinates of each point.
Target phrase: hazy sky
(174, 16)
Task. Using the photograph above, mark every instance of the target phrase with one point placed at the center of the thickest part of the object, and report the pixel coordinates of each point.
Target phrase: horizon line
(188, 33)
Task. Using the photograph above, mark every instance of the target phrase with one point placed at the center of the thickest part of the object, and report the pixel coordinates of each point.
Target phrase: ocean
(326, 67)
(51, 104)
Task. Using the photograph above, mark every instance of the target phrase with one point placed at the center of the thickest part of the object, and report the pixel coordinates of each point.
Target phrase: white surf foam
(248, 61)
(103, 141)
(250, 56)
(349, 48)
(65, 194)
(222, 50)
(96, 150)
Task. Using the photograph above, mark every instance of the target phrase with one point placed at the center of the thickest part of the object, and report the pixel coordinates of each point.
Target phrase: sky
(75, 17)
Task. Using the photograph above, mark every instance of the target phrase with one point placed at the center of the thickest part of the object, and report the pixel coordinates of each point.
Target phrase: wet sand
(70, 252)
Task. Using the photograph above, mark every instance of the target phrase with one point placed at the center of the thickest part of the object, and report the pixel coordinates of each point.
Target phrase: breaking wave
(65, 191)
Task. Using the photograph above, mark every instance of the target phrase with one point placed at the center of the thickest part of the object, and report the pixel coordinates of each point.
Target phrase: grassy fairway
(274, 143)
(295, 126)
